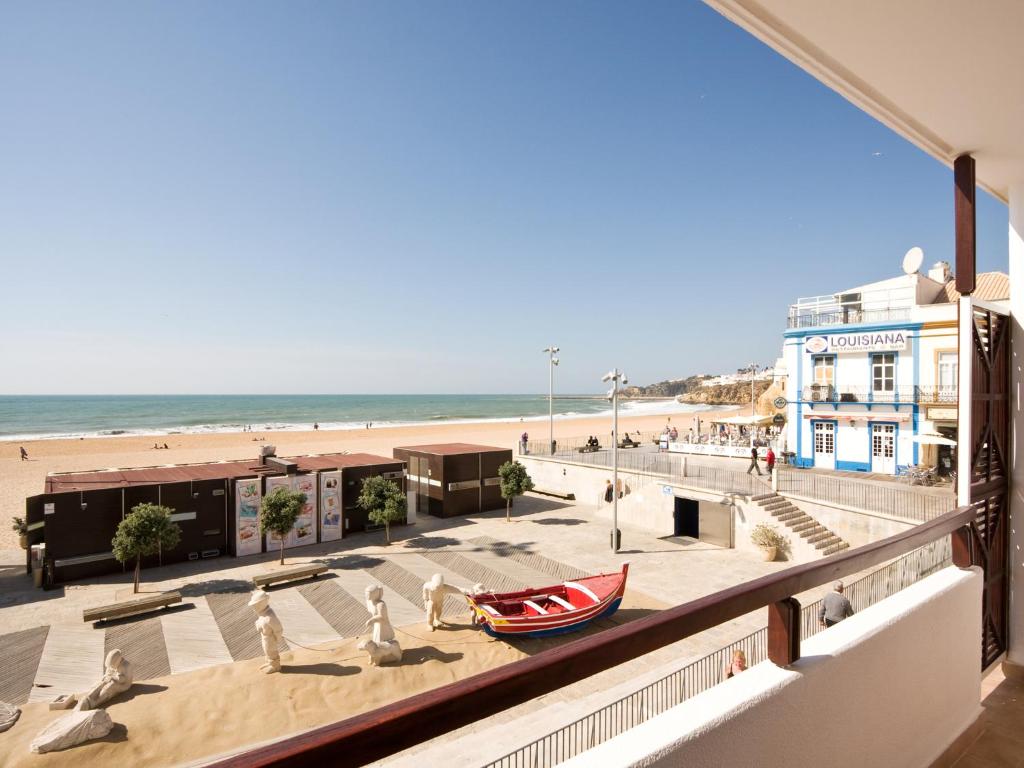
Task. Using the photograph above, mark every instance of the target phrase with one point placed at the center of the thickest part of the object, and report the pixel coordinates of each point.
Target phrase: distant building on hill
(871, 369)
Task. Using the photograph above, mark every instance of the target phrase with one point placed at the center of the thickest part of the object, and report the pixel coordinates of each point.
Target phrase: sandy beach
(20, 479)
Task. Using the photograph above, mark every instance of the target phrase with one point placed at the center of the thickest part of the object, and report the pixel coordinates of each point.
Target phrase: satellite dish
(912, 260)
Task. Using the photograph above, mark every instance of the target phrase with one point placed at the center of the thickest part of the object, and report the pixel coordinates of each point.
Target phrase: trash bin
(554, 447)
(38, 557)
(615, 538)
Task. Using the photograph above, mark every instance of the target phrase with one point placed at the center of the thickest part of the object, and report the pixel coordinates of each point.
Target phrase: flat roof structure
(448, 479)
(60, 482)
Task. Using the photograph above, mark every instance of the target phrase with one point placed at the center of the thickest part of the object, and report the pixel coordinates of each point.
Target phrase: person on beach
(316, 425)
(769, 460)
(24, 453)
(753, 462)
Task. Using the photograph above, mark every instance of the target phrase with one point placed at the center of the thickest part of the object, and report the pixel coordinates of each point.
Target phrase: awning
(745, 421)
(933, 439)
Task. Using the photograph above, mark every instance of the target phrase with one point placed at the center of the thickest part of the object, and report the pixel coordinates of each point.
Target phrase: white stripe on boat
(564, 603)
(489, 609)
(535, 607)
(584, 590)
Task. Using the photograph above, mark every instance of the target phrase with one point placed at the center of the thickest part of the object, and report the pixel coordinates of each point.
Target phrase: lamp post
(615, 376)
(552, 362)
(753, 372)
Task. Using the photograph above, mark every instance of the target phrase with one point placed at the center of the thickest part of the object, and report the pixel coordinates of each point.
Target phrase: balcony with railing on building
(829, 393)
(874, 306)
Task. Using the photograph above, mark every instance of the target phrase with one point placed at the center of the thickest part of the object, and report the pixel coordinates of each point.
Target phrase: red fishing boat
(553, 610)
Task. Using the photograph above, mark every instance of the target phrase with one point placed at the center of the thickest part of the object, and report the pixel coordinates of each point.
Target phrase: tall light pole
(753, 371)
(615, 376)
(552, 362)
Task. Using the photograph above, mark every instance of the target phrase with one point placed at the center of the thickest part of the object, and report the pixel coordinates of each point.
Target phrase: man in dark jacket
(753, 462)
(834, 606)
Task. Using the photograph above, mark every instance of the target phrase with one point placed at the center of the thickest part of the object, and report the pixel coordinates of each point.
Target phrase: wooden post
(962, 551)
(964, 213)
(784, 631)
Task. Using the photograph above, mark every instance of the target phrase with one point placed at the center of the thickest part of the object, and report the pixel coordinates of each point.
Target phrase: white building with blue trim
(872, 373)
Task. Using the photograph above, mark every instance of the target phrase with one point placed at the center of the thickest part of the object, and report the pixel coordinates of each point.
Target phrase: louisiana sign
(875, 341)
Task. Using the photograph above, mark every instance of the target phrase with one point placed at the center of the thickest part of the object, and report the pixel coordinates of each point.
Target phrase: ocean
(24, 417)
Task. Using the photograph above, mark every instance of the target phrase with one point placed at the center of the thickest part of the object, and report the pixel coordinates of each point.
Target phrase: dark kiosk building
(452, 479)
(216, 506)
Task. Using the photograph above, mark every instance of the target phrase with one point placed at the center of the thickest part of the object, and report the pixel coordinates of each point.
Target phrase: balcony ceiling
(946, 74)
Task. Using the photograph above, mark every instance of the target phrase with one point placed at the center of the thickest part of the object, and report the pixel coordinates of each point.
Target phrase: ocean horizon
(36, 417)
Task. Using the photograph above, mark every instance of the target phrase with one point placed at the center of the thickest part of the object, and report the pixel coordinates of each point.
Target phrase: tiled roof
(988, 286)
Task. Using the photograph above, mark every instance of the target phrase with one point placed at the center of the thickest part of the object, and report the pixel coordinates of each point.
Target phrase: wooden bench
(307, 571)
(131, 607)
(589, 449)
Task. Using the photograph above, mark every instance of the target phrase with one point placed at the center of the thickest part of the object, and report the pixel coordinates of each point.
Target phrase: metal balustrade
(675, 688)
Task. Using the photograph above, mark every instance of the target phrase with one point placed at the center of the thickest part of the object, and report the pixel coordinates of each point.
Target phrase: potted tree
(146, 530)
(769, 540)
(21, 528)
(279, 511)
(514, 482)
(384, 502)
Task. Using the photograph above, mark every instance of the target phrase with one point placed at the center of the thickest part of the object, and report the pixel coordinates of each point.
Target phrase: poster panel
(304, 531)
(273, 542)
(330, 506)
(247, 517)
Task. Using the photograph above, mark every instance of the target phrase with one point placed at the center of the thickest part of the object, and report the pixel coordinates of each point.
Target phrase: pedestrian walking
(24, 453)
(769, 460)
(834, 606)
(523, 440)
(754, 467)
(609, 492)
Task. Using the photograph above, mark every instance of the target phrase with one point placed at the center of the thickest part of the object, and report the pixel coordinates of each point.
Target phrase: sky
(404, 197)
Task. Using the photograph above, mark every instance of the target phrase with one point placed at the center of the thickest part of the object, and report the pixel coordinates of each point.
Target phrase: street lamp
(615, 376)
(753, 372)
(552, 362)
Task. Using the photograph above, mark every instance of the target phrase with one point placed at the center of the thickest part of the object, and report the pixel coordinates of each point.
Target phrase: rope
(397, 629)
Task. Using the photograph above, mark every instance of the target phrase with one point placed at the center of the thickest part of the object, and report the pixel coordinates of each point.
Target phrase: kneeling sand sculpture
(270, 629)
(382, 645)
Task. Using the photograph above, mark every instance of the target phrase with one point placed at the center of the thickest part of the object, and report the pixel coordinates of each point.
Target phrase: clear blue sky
(419, 197)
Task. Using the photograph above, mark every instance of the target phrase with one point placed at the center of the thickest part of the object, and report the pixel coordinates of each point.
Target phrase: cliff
(724, 394)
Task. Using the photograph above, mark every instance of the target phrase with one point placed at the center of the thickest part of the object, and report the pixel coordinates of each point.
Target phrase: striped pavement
(217, 628)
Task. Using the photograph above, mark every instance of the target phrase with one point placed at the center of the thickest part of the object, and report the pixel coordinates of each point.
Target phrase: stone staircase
(800, 523)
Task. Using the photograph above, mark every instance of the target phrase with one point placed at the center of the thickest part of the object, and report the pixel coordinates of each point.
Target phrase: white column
(1016, 544)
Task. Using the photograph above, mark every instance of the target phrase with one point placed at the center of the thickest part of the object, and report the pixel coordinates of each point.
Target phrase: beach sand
(157, 722)
(20, 479)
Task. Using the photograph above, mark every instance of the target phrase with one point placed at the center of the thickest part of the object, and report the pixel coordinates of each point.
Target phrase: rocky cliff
(689, 390)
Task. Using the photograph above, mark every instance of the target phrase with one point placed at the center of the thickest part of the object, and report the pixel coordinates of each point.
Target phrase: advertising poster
(273, 542)
(330, 506)
(247, 517)
(304, 531)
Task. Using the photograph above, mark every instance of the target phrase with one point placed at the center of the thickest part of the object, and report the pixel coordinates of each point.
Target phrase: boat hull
(553, 631)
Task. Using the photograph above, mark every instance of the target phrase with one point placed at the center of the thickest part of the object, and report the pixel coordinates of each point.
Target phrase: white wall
(892, 686)
(857, 528)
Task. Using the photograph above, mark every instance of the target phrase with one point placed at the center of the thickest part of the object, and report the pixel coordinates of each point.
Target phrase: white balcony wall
(893, 686)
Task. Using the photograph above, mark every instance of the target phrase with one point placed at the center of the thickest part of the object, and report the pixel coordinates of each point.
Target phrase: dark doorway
(687, 518)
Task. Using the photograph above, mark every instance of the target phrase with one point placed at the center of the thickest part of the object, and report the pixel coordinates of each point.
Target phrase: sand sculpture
(434, 593)
(270, 629)
(117, 678)
(72, 729)
(382, 645)
(8, 715)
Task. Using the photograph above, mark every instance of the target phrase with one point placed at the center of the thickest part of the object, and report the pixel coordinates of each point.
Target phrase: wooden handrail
(389, 729)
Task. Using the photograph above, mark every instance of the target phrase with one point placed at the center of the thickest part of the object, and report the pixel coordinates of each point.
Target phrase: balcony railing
(382, 732)
(845, 316)
(828, 393)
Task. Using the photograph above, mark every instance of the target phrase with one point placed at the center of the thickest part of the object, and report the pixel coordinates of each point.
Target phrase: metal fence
(911, 504)
(706, 672)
